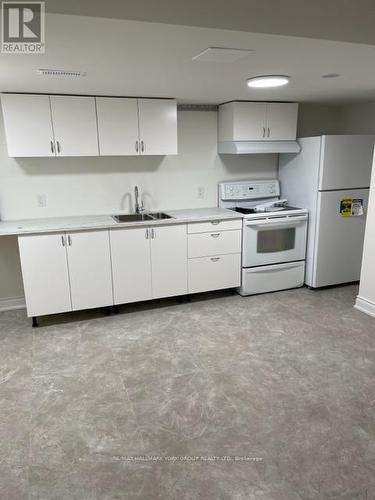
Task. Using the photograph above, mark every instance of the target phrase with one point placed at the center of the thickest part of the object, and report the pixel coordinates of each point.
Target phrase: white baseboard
(365, 306)
(12, 303)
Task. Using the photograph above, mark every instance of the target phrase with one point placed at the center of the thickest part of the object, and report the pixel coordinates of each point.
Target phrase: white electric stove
(274, 235)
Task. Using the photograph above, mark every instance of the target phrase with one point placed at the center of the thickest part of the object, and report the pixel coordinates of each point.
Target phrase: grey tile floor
(288, 378)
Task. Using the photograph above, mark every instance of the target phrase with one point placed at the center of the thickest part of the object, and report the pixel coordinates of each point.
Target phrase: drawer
(272, 278)
(214, 273)
(216, 225)
(214, 243)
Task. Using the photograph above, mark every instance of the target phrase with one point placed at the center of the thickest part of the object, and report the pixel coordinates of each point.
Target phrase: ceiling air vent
(60, 72)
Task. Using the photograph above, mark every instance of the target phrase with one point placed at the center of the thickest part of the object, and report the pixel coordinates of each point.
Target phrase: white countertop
(57, 224)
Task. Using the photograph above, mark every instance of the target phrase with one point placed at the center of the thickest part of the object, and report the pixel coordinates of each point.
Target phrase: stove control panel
(248, 190)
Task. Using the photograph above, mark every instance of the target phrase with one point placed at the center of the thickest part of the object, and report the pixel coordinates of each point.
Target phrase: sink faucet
(139, 207)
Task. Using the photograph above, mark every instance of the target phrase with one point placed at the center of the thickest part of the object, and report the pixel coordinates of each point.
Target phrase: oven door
(274, 240)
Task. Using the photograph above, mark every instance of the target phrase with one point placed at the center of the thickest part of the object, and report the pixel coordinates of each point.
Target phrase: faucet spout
(138, 206)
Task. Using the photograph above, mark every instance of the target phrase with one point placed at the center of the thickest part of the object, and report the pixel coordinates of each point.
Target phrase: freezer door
(339, 240)
(346, 161)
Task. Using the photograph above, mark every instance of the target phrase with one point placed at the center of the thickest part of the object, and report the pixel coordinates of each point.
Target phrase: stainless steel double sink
(145, 217)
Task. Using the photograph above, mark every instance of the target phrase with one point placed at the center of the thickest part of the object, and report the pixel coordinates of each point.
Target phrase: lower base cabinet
(66, 272)
(214, 253)
(169, 261)
(131, 264)
(69, 271)
(214, 273)
(148, 263)
(45, 274)
(89, 263)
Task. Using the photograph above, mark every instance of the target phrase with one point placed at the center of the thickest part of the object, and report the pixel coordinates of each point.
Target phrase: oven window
(276, 240)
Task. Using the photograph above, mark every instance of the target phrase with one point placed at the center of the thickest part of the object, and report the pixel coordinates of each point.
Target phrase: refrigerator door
(339, 240)
(346, 161)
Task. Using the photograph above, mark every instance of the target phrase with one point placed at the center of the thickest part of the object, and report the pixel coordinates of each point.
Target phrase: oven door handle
(289, 221)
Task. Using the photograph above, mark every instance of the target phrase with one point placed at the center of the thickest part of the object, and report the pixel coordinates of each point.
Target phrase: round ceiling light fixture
(267, 81)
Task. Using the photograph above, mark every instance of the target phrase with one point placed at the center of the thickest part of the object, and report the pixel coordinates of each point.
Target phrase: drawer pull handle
(215, 222)
(215, 259)
(215, 235)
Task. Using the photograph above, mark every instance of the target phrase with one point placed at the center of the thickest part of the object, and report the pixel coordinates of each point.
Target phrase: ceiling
(133, 58)
(342, 20)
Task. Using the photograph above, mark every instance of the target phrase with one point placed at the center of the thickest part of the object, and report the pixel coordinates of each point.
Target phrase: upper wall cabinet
(41, 125)
(137, 126)
(157, 126)
(282, 121)
(117, 126)
(74, 125)
(258, 121)
(28, 125)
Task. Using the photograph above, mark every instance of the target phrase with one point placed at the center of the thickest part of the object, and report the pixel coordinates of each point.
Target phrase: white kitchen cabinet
(131, 264)
(118, 126)
(148, 262)
(282, 121)
(157, 126)
(242, 121)
(90, 272)
(75, 126)
(214, 243)
(45, 273)
(214, 255)
(257, 121)
(66, 271)
(62, 125)
(169, 260)
(96, 268)
(214, 273)
(28, 125)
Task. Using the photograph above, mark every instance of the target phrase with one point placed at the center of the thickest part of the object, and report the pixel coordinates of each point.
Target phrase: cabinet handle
(142, 146)
(58, 146)
(62, 240)
(264, 131)
(269, 131)
(215, 235)
(215, 222)
(147, 234)
(52, 148)
(215, 259)
(153, 234)
(136, 146)
(69, 240)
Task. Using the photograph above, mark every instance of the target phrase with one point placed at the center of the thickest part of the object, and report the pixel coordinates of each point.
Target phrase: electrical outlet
(42, 200)
(201, 192)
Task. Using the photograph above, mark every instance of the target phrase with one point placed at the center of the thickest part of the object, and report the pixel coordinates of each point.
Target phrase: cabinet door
(90, 272)
(169, 260)
(74, 124)
(28, 125)
(117, 126)
(158, 126)
(282, 121)
(131, 264)
(249, 121)
(45, 274)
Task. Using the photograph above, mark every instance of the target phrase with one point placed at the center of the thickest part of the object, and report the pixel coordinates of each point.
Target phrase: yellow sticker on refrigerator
(351, 207)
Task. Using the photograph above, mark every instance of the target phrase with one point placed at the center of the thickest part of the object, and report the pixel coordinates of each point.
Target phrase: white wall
(318, 119)
(76, 186)
(358, 118)
(366, 296)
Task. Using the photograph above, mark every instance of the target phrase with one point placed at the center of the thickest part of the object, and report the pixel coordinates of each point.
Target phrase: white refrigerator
(331, 177)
